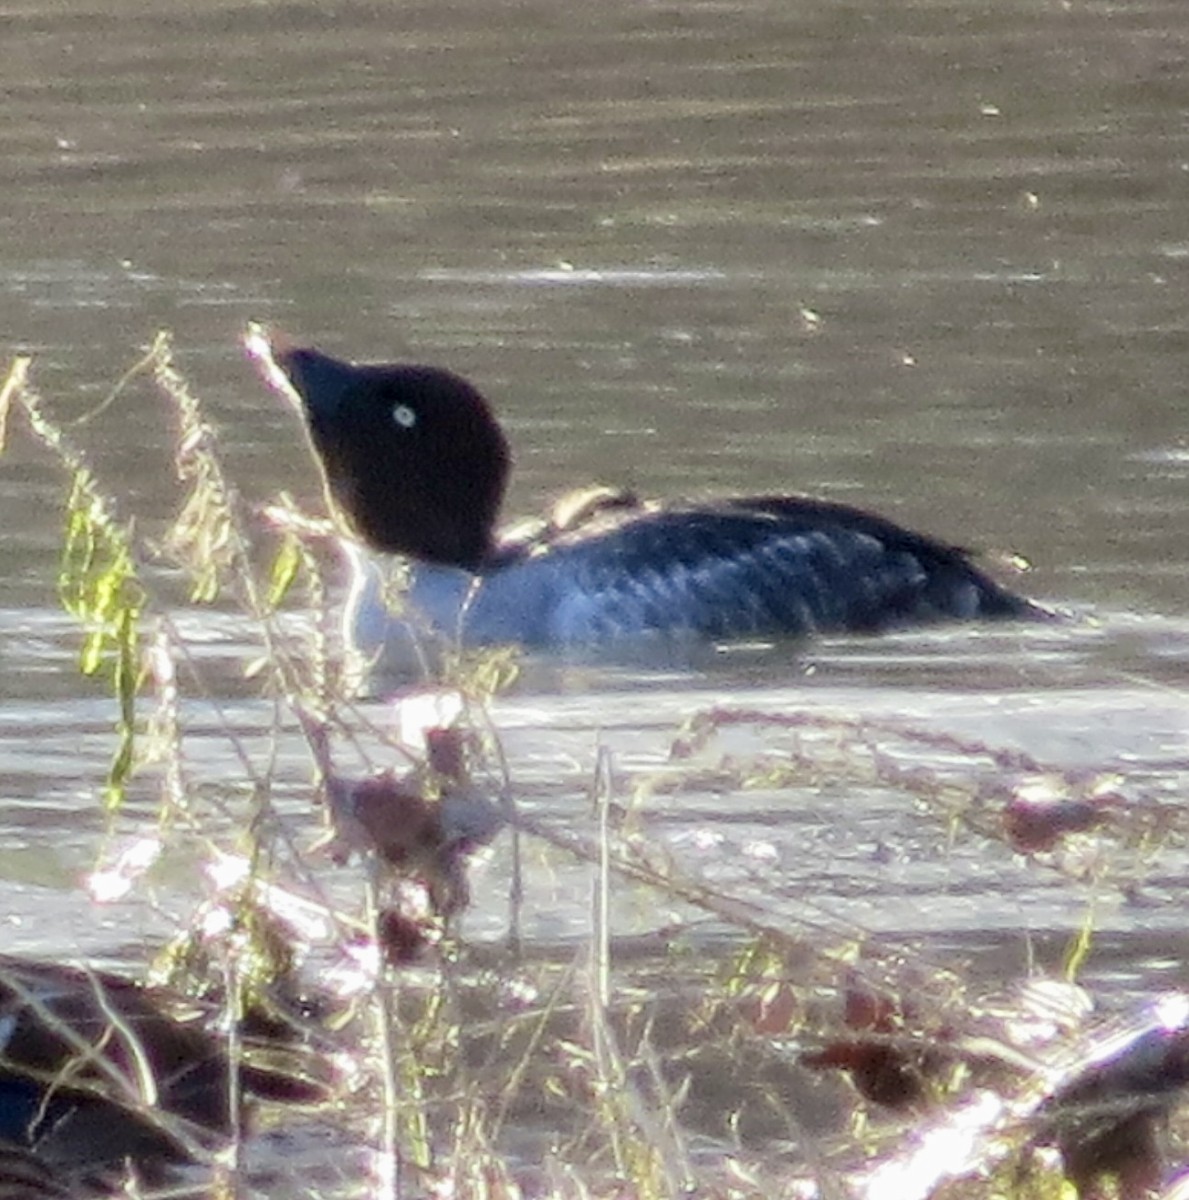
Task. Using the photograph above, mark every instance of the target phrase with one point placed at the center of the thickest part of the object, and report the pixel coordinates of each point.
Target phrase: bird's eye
(404, 416)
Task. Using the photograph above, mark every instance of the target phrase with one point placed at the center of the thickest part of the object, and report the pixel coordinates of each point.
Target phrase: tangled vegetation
(757, 1046)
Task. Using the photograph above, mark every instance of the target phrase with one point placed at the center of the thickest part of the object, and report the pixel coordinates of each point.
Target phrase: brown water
(928, 257)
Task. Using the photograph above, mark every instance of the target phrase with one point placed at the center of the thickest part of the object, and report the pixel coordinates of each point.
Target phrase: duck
(416, 465)
(24, 1176)
(98, 1072)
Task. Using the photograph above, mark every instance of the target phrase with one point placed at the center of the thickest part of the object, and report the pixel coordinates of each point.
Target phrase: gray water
(926, 257)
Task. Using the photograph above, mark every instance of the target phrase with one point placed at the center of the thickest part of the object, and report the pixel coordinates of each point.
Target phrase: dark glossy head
(413, 456)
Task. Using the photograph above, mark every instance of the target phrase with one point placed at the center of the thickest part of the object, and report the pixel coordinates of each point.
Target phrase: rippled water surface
(928, 257)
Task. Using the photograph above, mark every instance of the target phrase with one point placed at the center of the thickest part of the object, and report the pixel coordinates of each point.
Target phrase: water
(927, 257)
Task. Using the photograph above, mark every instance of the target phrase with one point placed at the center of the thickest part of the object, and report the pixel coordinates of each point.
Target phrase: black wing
(757, 567)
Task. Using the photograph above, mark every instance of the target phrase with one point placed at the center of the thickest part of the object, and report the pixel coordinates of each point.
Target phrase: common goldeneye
(416, 462)
(96, 1071)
